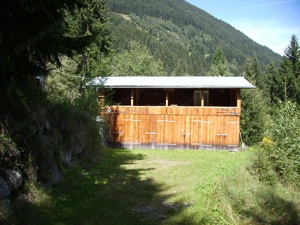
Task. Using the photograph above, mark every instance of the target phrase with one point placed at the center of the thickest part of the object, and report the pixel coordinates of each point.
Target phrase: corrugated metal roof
(172, 82)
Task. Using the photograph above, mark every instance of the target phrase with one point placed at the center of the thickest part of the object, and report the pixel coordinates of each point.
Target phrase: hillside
(182, 36)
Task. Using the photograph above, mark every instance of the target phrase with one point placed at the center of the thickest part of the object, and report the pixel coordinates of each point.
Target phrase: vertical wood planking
(207, 130)
(233, 129)
(127, 135)
(196, 130)
(175, 126)
(184, 129)
(136, 129)
(160, 129)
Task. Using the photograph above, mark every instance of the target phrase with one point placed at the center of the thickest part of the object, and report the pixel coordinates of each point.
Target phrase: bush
(262, 168)
(284, 150)
(39, 136)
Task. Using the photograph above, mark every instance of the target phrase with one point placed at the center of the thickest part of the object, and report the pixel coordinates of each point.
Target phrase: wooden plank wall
(175, 127)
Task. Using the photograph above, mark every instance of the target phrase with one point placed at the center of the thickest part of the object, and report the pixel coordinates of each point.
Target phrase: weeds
(246, 200)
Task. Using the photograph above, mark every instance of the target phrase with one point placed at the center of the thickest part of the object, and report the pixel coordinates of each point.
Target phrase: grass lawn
(142, 187)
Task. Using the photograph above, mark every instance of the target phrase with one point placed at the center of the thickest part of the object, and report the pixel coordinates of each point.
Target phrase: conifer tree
(32, 34)
(291, 65)
(254, 116)
(252, 71)
(292, 53)
(255, 107)
(219, 64)
(285, 85)
(90, 21)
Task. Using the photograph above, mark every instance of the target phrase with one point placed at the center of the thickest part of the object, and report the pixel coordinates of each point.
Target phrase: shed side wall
(175, 127)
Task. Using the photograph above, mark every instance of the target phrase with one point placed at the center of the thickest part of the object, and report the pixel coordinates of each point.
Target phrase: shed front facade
(173, 112)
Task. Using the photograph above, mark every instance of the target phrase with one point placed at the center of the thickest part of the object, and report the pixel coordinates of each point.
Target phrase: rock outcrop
(10, 181)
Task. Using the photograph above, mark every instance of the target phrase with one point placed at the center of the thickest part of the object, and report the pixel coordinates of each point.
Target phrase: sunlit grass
(191, 178)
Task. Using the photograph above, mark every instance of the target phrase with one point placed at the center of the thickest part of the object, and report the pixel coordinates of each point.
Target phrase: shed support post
(132, 97)
(167, 97)
(101, 99)
(202, 98)
(238, 98)
(101, 102)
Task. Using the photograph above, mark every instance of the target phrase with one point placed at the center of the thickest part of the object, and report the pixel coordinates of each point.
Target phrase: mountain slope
(183, 36)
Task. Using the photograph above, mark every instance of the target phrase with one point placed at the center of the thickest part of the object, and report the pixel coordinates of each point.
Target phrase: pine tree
(285, 85)
(90, 22)
(219, 65)
(65, 82)
(291, 66)
(252, 70)
(32, 34)
(254, 116)
(292, 53)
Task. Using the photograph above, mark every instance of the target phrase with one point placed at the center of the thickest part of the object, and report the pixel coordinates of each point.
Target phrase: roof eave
(180, 87)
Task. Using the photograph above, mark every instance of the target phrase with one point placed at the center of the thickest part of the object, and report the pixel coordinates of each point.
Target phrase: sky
(270, 23)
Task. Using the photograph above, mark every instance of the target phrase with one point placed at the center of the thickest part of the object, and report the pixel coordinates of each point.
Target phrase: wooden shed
(173, 112)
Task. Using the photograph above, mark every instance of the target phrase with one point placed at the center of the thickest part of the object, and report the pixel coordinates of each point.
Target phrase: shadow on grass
(258, 203)
(102, 193)
(273, 209)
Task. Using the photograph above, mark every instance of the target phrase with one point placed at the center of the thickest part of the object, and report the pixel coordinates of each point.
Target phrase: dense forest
(183, 37)
(50, 49)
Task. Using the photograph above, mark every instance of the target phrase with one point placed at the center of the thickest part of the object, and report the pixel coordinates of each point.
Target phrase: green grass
(160, 187)
(189, 180)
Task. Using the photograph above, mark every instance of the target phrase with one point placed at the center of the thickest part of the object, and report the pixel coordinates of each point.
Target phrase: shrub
(283, 151)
